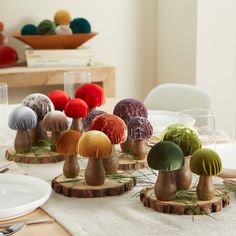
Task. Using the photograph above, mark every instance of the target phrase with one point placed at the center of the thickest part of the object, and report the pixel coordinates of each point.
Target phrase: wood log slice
(185, 206)
(77, 187)
(37, 155)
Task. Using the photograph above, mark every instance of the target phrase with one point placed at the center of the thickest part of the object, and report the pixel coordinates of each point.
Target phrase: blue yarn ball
(29, 29)
(80, 25)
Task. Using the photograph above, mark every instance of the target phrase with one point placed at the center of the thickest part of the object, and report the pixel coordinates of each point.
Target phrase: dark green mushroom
(166, 157)
(206, 163)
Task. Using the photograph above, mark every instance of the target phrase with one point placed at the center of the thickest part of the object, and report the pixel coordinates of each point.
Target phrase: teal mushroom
(206, 163)
(166, 157)
(188, 140)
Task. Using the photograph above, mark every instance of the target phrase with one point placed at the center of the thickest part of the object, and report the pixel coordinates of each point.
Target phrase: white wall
(126, 38)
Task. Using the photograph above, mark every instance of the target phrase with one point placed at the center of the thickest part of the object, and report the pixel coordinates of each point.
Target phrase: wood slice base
(38, 155)
(188, 207)
(77, 187)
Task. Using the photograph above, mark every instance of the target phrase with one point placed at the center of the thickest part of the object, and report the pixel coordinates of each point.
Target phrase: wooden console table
(22, 76)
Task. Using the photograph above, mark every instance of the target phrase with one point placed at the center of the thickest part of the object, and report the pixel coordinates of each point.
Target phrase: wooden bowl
(54, 41)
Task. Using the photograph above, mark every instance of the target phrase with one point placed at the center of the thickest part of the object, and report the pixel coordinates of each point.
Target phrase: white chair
(177, 97)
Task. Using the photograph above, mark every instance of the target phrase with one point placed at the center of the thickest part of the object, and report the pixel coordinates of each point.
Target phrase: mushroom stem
(22, 141)
(139, 149)
(71, 167)
(95, 173)
(183, 177)
(55, 136)
(76, 125)
(205, 188)
(111, 164)
(165, 187)
(127, 145)
(38, 133)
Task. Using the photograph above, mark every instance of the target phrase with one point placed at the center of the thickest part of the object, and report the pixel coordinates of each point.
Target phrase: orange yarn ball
(62, 17)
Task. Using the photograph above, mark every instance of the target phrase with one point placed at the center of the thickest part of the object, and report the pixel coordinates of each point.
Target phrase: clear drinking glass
(204, 123)
(73, 79)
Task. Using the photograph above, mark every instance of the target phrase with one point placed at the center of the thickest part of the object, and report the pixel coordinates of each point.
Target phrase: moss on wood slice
(38, 155)
(185, 205)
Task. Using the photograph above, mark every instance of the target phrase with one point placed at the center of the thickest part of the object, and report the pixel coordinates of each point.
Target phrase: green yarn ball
(185, 137)
(205, 162)
(165, 156)
(80, 25)
(29, 29)
(46, 27)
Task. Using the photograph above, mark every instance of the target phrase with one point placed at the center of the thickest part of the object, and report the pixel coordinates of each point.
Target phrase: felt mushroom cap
(205, 162)
(86, 121)
(111, 125)
(94, 144)
(130, 107)
(40, 103)
(165, 156)
(184, 136)
(67, 143)
(59, 99)
(22, 118)
(139, 128)
(76, 108)
(55, 121)
(92, 94)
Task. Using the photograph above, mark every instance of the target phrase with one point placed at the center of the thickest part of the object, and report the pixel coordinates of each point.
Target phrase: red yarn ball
(92, 94)
(76, 108)
(59, 99)
(8, 56)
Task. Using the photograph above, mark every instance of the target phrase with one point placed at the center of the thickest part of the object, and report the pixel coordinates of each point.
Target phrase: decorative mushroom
(76, 109)
(126, 109)
(166, 157)
(95, 145)
(188, 140)
(59, 99)
(67, 146)
(86, 121)
(55, 122)
(139, 129)
(116, 130)
(21, 119)
(206, 163)
(92, 94)
(41, 104)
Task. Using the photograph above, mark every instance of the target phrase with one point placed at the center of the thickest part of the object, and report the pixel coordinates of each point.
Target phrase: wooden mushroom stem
(38, 133)
(71, 167)
(183, 177)
(22, 141)
(95, 173)
(127, 145)
(139, 149)
(76, 125)
(165, 187)
(205, 188)
(111, 164)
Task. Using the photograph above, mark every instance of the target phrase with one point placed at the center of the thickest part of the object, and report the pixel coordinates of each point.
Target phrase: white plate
(227, 152)
(21, 194)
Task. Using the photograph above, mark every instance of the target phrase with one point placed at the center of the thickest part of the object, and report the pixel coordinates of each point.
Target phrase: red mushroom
(59, 99)
(76, 109)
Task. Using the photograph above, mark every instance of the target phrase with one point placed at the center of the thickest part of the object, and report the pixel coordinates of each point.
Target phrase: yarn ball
(3, 38)
(8, 56)
(76, 108)
(92, 94)
(111, 125)
(1, 26)
(40, 103)
(130, 107)
(80, 25)
(86, 121)
(62, 17)
(139, 128)
(63, 30)
(22, 118)
(29, 29)
(59, 99)
(46, 27)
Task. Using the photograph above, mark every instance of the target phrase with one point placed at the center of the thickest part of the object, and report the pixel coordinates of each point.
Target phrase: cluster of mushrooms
(176, 156)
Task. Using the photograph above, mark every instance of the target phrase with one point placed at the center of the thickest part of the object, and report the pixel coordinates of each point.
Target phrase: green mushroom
(206, 163)
(166, 157)
(188, 140)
